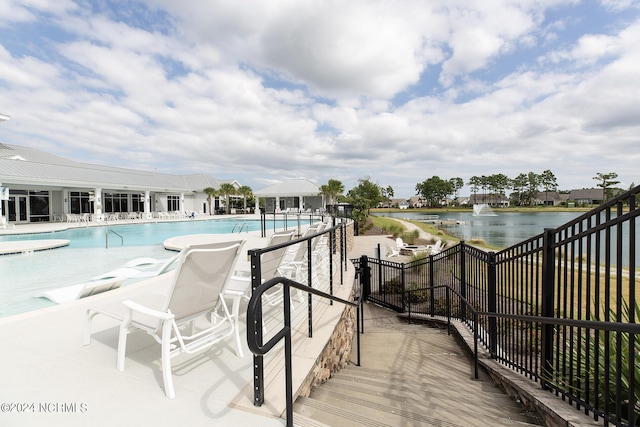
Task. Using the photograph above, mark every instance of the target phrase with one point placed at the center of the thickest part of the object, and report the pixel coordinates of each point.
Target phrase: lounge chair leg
(166, 359)
(122, 341)
(87, 330)
(235, 312)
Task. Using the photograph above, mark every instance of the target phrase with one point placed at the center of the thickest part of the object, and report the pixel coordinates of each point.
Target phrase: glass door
(17, 208)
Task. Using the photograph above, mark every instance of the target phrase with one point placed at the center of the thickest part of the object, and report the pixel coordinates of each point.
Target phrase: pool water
(147, 234)
(22, 276)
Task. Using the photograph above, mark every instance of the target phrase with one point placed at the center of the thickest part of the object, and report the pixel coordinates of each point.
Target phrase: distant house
(493, 200)
(586, 196)
(403, 205)
(548, 198)
(415, 202)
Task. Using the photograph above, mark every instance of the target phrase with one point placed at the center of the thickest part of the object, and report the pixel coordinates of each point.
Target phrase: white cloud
(266, 90)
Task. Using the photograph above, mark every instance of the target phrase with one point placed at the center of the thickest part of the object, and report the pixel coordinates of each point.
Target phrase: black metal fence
(560, 308)
(324, 262)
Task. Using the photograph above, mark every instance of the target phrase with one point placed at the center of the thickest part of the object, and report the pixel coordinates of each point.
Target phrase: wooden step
(411, 374)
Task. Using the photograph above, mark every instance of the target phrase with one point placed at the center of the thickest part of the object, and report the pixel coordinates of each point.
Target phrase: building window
(38, 206)
(173, 203)
(137, 203)
(115, 202)
(79, 202)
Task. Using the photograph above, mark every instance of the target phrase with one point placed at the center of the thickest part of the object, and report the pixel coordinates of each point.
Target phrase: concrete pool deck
(50, 378)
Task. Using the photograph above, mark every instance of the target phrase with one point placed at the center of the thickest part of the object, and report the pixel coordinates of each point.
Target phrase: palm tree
(211, 194)
(331, 190)
(226, 190)
(246, 192)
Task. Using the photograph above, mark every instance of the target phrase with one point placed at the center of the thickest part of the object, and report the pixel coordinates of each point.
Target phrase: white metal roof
(293, 187)
(28, 166)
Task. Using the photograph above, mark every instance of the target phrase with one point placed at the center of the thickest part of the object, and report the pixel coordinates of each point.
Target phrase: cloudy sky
(393, 91)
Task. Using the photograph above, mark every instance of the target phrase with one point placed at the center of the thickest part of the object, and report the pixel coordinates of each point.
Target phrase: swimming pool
(22, 276)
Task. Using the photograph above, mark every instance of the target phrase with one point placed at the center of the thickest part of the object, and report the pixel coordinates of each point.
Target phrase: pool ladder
(241, 227)
(106, 238)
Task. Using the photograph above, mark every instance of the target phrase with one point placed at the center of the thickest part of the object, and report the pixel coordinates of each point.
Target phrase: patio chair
(391, 251)
(269, 262)
(198, 283)
(319, 255)
(292, 268)
(154, 267)
(437, 248)
(82, 290)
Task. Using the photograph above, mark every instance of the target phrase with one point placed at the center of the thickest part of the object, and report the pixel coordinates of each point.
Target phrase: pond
(501, 230)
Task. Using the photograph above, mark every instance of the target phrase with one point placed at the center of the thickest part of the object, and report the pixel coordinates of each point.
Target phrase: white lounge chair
(437, 248)
(82, 290)
(391, 251)
(269, 262)
(199, 280)
(291, 267)
(297, 268)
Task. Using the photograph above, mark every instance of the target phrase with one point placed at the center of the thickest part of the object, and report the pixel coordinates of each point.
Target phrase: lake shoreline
(523, 209)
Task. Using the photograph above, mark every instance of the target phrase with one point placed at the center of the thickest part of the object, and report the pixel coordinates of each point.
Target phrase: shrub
(410, 237)
(395, 229)
(392, 286)
(418, 295)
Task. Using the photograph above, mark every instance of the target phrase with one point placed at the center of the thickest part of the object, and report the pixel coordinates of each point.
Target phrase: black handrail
(256, 279)
(254, 325)
(632, 328)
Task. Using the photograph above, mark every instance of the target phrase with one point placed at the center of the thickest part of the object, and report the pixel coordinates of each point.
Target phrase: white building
(44, 187)
(295, 195)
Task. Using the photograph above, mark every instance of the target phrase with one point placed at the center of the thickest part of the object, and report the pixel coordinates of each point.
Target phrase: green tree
(533, 183)
(331, 190)
(227, 190)
(434, 190)
(498, 183)
(549, 183)
(246, 192)
(365, 195)
(387, 193)
(211, 194)
(474, 183)
(607, 180)
(456, 184)
(519, 184)
(485, 183)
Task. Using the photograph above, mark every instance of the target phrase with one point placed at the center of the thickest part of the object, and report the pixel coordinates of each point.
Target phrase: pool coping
(28, 246)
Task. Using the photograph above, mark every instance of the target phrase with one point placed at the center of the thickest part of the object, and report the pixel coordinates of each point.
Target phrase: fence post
(365, 278)
(432, 300)
(463, 283)
(548, 274)
(492, 305)
(258, 362)
(404, 287)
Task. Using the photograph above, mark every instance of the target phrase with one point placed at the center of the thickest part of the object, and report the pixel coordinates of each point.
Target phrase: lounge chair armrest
(134, 306)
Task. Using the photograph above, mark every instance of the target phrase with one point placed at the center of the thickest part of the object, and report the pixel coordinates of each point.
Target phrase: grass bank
(390, 224)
